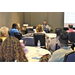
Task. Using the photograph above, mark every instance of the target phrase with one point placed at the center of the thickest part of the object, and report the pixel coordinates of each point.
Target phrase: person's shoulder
(55, 56)
(42, 25)
(16, 30)
(57, 51)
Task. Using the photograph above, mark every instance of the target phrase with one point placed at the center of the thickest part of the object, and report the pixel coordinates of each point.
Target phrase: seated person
(11, 51)
(14, 30)
(54, 41)
(45, 25)
(39, 29)
(58, 55)
(18, 27)
(70, 27)
(3, 32)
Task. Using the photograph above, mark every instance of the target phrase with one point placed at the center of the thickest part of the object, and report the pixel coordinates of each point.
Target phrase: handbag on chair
(45, 58)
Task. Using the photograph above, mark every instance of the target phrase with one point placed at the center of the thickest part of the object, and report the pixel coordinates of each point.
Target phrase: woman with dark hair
(58, 55)
(54, 41)
(11, 50)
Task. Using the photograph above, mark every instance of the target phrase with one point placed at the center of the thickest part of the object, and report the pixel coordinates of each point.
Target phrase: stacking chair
(34, 27)
(29, 41)
(9, 33)
(72, 37)
(57, 46)
(19, 36)
(41, 37)
(70, 57)
(0, 42)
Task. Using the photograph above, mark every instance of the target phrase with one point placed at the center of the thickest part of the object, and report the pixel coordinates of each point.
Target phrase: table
(33, 53)
(51, 35)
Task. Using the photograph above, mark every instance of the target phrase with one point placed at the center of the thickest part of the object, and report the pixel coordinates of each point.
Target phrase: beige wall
(8, 18)
(54, 19)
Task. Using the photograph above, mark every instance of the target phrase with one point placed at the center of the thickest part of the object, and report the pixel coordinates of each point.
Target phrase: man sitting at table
(14, 30)
(58, 55)
(70, 27)
(45, 25)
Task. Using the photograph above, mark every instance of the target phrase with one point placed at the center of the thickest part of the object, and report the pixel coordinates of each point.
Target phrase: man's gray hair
(4, 30)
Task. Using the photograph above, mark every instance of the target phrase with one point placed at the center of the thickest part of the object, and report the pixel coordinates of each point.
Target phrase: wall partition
(54, 19)
(8, 18)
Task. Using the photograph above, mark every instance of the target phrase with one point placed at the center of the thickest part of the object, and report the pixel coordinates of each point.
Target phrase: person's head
(14, 25)
(70, 26)
(39, 28)
(12, 50)
(63, 39)
(4, 31)
(44, 22)
(18, 26)
(58, 31)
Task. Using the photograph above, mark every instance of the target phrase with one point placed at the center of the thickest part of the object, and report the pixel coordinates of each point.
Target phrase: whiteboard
(69, 17)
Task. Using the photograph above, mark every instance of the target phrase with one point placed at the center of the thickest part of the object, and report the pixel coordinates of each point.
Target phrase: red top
(70, 30)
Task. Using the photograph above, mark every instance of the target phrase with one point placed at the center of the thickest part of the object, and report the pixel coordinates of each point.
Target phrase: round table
(32, 52)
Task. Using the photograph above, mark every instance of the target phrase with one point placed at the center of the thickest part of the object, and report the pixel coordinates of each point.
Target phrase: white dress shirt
(47, 26)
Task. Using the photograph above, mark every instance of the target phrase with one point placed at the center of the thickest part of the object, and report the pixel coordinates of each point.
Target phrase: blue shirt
(12, 31)
(58, 55)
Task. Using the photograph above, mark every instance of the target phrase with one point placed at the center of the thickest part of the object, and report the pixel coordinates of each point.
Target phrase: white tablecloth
(51, 35)
(33, 53)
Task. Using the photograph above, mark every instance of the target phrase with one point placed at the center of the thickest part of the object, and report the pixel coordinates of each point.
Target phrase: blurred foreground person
(11, 51)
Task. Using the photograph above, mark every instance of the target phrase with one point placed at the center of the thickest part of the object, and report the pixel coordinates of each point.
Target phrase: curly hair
(39, 28)
(12, 50)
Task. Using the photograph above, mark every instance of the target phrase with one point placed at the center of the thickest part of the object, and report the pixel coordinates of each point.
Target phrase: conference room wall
(54, 19)
(8, 18)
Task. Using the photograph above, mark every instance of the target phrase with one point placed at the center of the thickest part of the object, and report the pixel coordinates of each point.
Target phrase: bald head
(70, 26)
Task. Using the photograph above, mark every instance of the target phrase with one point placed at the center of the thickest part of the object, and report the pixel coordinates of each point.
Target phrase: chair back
(34, 27)
(19, 36)
(9, 33)
(39, 36)
(29, 41)
(73, 46)
(72, 37)
(0, 42)
(70, 57)
(57, 46)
